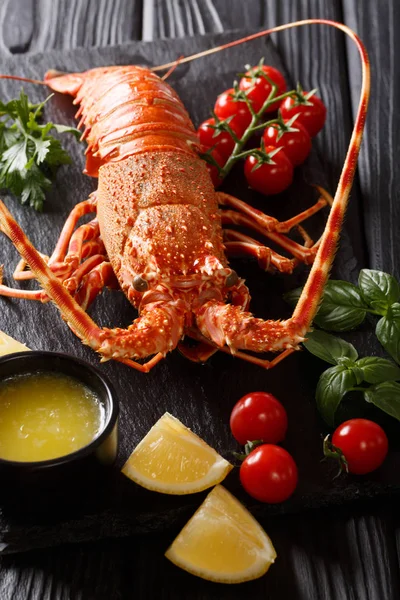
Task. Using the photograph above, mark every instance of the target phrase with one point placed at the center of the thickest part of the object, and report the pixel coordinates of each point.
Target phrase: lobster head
(159, 221)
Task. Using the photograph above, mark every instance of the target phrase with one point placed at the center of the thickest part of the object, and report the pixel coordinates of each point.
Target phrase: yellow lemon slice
(173, 460)
(8, 345)
(222, 542)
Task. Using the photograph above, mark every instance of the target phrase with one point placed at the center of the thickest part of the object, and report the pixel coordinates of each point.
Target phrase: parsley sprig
(29, 156)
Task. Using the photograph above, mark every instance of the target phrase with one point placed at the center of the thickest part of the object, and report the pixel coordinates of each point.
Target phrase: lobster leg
(156, 331)
(207, 349)
(21, 273)
(96, 279)
(238, 244)
(23, 294)
(89, 249)
(57, 259)
(302, 253)
(84, 233)
(81, 209)
(269, 223)
(200, 353)
(78, 277)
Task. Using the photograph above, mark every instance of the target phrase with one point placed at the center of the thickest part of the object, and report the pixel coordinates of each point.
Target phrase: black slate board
(201, 396)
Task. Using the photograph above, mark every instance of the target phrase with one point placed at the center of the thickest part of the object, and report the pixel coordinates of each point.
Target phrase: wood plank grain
(334, 557)
(35, 25)
(298, 49)
(377, 24)
(322, 557)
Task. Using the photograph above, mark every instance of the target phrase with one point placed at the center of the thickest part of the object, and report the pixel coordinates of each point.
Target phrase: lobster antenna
(26, 79)
(172, 69)
(311, 296)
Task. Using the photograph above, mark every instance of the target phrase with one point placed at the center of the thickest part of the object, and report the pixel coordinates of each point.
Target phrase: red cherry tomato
(258, 88)
(311, 111)
(269, 178)
(220, 160)
(363, 443)
(226, 106)
(295, 140)
(258, 416)
(269, 474)
(222, 141)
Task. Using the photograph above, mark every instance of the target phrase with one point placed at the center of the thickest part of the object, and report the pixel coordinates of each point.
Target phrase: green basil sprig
(344, 307)
(351, 373)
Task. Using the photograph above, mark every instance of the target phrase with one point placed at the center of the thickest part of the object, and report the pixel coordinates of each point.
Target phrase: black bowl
(74, 479)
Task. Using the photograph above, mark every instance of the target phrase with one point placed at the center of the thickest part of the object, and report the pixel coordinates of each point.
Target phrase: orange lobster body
(158, 232)
(156, 205)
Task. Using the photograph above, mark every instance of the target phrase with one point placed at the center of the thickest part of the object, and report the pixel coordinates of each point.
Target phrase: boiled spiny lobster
(157, 233)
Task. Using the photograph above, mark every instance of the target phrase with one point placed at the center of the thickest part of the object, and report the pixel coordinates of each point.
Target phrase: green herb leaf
(293, 296)
(386, 396)
(357, 372)
(15, 158)
(377, 370)
(28, 154)
(67, 129)
(331, 451)
(342, 307)
(330, 348)
(388, 331)
(379, 290)
(42, 149)
(332, 386)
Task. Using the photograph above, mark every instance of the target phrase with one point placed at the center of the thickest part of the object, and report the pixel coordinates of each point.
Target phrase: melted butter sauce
(46, 415)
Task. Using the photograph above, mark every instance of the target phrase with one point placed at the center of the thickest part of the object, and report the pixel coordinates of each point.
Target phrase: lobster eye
(231, 279)
(140, 284)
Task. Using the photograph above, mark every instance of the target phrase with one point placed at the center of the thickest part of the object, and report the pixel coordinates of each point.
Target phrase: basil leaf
(388, 331)
(342, 307)
(379, 290)
(358, 373)
(385, 396)
(378, 370)
(332, 386)
(330, 348)
(292, 296)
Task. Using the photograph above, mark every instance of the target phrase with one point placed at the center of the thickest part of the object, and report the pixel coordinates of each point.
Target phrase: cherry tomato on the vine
(311, 111)
(258, 416)
(269, 175)
(221, 140)
(292, 137)
(226, 106)
(363, 443)
(258, 88)
(269, 474)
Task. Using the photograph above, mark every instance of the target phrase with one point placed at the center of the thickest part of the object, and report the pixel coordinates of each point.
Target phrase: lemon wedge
(8, 345)
(173, 460)
(222, 542)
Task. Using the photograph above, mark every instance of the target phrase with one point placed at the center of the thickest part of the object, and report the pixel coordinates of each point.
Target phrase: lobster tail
(65, 83)
(125, 110)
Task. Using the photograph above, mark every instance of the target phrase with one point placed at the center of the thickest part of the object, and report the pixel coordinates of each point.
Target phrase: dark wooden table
(348, 553)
